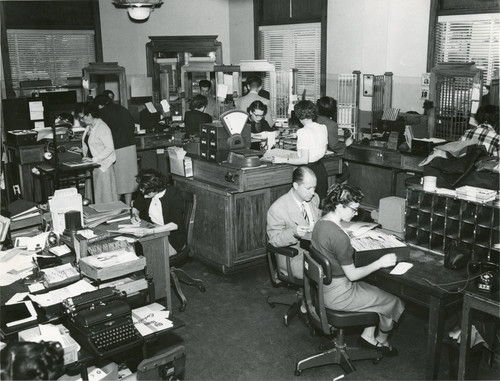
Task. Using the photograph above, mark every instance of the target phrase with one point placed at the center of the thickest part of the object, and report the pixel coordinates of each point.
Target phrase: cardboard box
(70, 346)
(181, 167)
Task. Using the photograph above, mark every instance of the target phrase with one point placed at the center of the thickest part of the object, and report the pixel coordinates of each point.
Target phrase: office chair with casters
(317, 272)
(178, 275)
(278, 279)
(170, 364)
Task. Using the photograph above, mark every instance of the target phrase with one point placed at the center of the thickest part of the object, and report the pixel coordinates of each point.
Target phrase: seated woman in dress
(32, 361)
(161, 203)
(346, 292)
(312, 140)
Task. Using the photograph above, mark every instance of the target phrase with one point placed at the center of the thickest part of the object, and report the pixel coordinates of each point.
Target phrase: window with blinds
(295, 46)
(470, 38)
(49, 54)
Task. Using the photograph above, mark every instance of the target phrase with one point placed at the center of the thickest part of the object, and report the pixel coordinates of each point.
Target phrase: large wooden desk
(375, 170)
(229, 230)
(474, 300)
(414, 287)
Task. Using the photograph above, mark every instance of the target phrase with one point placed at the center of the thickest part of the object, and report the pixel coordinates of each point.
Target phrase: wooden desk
(474, 300)
(413, 287)
(229, 230)
(372, 167)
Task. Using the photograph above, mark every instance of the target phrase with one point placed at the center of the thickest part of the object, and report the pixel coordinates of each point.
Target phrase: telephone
(488, 280)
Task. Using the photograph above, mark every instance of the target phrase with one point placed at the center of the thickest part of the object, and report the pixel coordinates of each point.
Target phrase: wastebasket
(474, 356)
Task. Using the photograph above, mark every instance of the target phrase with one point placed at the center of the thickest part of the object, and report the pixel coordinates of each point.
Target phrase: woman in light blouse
(312, 141)
(97, 147)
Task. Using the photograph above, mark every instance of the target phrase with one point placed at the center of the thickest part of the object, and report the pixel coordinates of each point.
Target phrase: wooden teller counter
(231, 206)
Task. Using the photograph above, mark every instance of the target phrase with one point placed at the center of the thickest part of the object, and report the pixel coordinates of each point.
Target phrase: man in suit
(255, 85)
(292, 217)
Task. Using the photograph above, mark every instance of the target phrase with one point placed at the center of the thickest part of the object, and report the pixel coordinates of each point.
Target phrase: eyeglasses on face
(355, 210)
(257, 115)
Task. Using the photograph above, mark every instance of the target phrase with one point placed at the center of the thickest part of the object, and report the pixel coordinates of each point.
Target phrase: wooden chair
(317, 273)
(178, 275)
(279, 279)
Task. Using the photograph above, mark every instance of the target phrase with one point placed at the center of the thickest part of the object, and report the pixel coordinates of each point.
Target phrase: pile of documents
(476, 194)
(151, 318)
(24, 214)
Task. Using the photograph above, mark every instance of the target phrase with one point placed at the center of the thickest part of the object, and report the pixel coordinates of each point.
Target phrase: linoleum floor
(233, 334)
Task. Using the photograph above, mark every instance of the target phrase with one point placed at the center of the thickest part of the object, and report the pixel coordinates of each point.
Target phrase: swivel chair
(280, 279)
(169, 364)
(317, 272)
(178, 275)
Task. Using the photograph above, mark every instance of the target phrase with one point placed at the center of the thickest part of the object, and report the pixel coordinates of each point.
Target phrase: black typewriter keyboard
(117, 336)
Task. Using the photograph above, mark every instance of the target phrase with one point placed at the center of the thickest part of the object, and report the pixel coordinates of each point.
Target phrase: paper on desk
(30, 243)
(34, 287)
(16, 267)
(18, 297)
(401, 268)
(176, 153)
(64, 200)
(57, 296)
(109, 206)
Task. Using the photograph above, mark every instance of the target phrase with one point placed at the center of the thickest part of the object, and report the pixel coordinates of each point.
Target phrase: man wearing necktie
(292, 217)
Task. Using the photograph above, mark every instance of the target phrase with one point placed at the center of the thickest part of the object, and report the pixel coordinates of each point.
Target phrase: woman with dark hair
(98, 147)
(327, 115)
(161, 203)
(312, 140)
(197, 116)
(122, 126)
(346, 292)
(486, 132)
(32, 361)
(257, 112)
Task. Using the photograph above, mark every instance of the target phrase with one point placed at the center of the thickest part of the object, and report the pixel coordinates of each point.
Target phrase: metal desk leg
(92, 184)
(434, 338)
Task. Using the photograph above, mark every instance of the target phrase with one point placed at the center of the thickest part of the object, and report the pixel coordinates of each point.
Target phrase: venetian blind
(49, 54)
(469, 38)
(296, 46)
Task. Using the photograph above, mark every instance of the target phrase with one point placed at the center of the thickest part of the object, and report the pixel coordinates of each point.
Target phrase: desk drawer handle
(231, 177)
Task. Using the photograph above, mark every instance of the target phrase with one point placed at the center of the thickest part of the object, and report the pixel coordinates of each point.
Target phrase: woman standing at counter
(97, 146)
(312, 140)
(122, 125)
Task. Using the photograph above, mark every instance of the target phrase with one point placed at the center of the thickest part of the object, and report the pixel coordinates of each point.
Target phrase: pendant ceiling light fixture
(138, 9)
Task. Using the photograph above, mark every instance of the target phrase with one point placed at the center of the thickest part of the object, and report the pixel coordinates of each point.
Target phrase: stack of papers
(476, 194)
(151, 318)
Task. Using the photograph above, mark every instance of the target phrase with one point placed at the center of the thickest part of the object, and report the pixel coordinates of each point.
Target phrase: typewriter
(101, 322)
